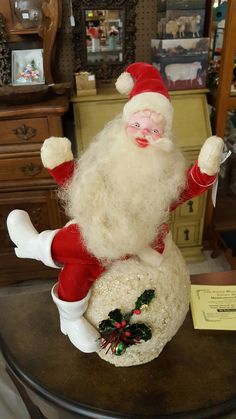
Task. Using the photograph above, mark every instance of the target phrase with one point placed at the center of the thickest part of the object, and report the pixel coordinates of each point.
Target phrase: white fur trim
(150, 257)
(125, 83)
(149, 100)
(55, 151)
(210, 155)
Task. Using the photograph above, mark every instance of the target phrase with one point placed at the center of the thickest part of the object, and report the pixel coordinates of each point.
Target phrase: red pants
(80, 269)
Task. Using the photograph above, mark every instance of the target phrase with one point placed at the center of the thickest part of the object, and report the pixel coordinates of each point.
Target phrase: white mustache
(163, 143)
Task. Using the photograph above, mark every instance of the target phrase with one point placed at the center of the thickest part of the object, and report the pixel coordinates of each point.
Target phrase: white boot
(80, 332)
(29, 243)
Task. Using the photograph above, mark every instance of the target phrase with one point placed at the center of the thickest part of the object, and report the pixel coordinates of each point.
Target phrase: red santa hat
(146, 89)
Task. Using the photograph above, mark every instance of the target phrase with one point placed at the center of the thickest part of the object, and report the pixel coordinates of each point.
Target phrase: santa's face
(145, 128)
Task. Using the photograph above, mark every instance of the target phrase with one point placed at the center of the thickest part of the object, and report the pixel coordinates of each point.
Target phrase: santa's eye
(156, 131)
(136, 125)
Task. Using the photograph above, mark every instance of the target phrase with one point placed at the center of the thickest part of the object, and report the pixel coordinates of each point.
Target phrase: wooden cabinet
(191, 127)
(24, 183)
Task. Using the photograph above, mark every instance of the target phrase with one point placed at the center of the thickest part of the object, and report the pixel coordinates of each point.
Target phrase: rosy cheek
(131, 130)
(156, 136)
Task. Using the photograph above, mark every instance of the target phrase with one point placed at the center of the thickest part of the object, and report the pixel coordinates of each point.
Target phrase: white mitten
(55, 151)
(210, 155)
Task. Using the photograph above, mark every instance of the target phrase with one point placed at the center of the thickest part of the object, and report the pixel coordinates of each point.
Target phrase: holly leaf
(140, 331)
(106, 326)
(145, 298)
(116, 315)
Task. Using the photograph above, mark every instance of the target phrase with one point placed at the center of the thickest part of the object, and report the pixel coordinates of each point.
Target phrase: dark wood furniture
(224, 230)
(194, 377)
(31, 117)
(24, 183)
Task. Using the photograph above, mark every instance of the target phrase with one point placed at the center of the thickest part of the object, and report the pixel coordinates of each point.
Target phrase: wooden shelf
(231, 100)
(23, 32)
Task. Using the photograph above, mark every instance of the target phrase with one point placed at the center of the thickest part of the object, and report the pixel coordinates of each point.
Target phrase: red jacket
(80, 268)
(197, 183)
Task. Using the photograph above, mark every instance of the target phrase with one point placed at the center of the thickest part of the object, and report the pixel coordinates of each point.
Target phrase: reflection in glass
(104, 35)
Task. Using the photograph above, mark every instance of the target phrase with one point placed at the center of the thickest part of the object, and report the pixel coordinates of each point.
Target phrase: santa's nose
(145, 131)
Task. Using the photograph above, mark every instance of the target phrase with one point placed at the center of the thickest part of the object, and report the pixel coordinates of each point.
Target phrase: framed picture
(27, 67)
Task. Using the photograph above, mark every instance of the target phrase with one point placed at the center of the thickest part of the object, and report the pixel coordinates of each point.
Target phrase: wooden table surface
(194, 377)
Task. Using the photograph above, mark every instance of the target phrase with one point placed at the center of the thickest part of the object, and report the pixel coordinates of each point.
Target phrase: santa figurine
(123, 283)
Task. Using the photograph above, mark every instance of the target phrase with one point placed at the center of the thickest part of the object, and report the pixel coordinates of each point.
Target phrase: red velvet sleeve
(197, 183)
(63, 173)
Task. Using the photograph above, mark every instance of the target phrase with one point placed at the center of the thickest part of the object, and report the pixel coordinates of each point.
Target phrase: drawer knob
(24, 132)
(31, 169)
(190, 206)
(186, 234)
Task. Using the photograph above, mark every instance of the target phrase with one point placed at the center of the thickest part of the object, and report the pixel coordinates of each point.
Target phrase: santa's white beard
(120, 193)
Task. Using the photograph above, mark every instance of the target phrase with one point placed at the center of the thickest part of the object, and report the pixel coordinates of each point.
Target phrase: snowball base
(121, 285)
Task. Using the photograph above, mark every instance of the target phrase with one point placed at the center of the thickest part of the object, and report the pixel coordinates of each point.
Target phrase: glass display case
(27, 14)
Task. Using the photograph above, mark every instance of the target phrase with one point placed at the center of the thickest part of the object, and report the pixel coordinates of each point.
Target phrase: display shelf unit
(220, 218)
(44, 35)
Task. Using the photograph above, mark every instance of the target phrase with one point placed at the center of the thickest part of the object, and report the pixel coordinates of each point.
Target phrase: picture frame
(27, 67)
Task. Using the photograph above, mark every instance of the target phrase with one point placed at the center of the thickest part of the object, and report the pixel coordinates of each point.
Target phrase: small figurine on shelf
(123, 287)
(95, 35)
(29, 74)
(112, 39)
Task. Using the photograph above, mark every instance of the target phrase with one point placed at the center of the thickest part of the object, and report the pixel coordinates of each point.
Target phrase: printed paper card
(213, 306)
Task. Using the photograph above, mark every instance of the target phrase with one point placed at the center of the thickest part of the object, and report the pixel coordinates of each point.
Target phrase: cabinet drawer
(22, 131)
(45, 213)
(191, 209)
(21, 168)
(187, 234)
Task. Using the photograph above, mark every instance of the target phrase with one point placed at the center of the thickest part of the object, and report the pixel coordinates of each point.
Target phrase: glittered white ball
(122, 284)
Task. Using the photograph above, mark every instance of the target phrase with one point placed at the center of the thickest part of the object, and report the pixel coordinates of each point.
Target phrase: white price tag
(25, 15)
(91, 77)
(72, 21)
(215, 186)
(214, 192)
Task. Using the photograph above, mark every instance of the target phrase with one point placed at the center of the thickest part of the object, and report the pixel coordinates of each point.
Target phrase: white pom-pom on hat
(124, 83)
